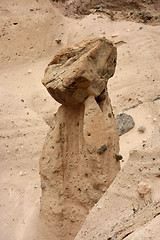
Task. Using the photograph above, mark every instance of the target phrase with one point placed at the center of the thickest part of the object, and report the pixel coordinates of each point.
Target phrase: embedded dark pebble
(58, 41)
(102, 149)
(118, 156)
(43, 185)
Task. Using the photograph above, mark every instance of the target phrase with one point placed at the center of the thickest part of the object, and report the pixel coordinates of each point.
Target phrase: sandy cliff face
(78, 161)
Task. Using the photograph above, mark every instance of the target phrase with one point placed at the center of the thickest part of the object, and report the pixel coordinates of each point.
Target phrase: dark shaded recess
(100, 99)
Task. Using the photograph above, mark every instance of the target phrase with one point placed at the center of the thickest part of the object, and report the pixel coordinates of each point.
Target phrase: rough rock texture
(133, 197)
(84, 7)
(80, 71)
(78, 161)
(124, 123)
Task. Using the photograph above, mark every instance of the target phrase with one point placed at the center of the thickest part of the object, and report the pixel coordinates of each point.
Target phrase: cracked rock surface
(80, 71)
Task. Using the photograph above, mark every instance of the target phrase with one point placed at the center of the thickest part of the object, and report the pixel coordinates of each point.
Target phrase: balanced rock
(80, 71)
(78, 160)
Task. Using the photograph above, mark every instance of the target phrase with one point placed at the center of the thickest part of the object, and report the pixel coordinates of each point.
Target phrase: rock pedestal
(78, 160)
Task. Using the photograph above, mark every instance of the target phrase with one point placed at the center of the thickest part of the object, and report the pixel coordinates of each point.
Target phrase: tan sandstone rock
(80, 71)
(78, 161)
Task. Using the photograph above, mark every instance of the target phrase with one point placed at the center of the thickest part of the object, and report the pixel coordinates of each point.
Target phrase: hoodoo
(78, 161)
